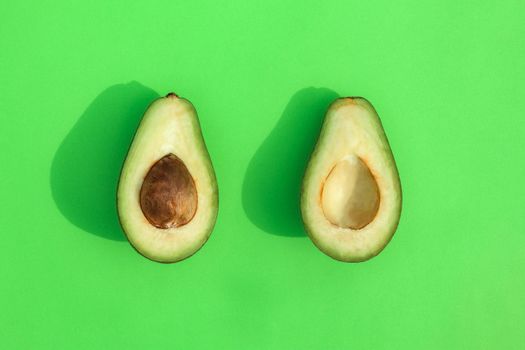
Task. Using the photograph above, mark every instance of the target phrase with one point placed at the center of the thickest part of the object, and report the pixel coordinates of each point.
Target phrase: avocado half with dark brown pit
(351, 195)
(167, 194)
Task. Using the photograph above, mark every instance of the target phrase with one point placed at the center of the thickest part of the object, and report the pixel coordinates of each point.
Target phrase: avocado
(167, 196)
(351, 191)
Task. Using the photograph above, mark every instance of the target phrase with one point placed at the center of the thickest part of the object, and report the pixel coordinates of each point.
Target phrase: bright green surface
(448, 80)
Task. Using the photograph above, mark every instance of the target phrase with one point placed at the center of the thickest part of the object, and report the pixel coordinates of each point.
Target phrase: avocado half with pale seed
(351, 193)
(167, 196)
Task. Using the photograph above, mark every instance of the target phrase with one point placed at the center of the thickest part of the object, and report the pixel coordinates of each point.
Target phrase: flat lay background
(447, 79)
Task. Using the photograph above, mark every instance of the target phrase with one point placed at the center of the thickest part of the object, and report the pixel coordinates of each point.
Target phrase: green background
(448, 80)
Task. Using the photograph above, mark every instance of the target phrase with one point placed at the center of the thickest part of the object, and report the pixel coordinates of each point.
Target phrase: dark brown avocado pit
(168, 196)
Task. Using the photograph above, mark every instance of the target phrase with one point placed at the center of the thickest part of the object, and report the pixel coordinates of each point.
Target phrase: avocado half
(167, 196)
(351, 192)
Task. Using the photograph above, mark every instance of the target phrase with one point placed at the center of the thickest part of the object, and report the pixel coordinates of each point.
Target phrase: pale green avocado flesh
(351, 193)
(167, 197)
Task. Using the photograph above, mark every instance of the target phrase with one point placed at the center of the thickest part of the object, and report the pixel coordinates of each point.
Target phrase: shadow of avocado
(86, 166)
(272, 184)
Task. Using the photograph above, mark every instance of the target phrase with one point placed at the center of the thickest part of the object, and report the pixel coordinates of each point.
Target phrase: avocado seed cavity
(350, 196)
(168, 196)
